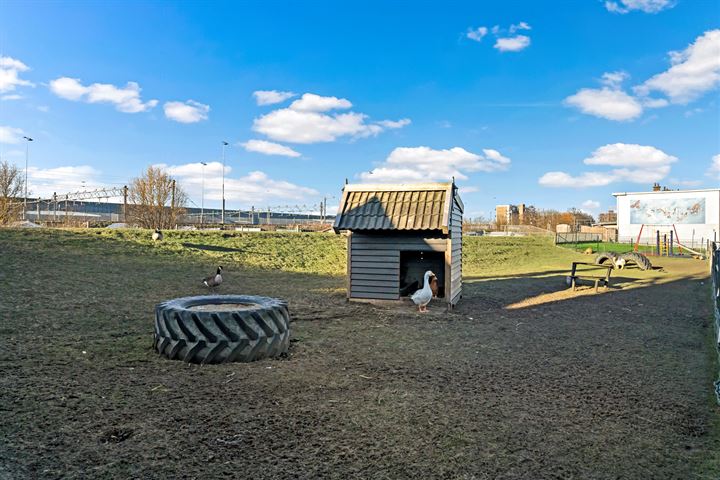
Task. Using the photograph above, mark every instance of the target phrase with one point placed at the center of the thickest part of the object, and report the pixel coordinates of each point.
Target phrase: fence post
(125, 195)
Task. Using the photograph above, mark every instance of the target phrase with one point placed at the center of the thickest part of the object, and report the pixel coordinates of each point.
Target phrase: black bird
(214, 280)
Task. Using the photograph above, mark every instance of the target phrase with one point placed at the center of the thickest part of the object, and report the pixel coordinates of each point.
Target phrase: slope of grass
(319, 253)
(488, 256)
(322, 253)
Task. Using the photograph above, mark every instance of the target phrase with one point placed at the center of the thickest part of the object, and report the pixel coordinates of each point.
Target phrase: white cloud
(477, 34)
(590, 205)
(685, 183)
(694, 71)
(636, 163)
(469, 189)
(186, 112)
(403, 122)
(306, 121)
(647, 6)
(610, 103)
(714, 170)
(288, 125)
(14, 96)
(519, 26)
(629, 155)
(614, 79)
(270, 97)
(310, 102)
(43, 182)
(126, 99)
(654, 102)
(512, 44)
(10, 69)
(68, 88)
(255, 188)
(269, 148)
(416, 164)
(588, 179)
(11, 134)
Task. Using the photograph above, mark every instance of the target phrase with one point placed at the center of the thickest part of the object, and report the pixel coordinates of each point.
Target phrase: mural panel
(668, 211)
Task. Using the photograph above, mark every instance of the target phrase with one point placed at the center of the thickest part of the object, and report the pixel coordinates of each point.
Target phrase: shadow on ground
(614, 385)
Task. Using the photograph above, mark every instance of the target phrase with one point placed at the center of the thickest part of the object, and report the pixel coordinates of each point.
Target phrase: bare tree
(11, 187)
(155, 200)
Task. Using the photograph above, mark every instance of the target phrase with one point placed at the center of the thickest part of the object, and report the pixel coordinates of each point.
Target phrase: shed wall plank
(366, 289)
(374, 282)
(376, 276)
(380, 296)
(389, 271)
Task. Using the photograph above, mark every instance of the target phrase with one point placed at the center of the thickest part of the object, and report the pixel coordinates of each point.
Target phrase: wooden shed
(396, 233)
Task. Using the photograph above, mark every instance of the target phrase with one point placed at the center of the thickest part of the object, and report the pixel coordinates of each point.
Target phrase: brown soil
(524, 380)
(222, 307)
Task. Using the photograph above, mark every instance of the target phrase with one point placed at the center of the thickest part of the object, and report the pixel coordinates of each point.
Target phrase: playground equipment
(620, 261)
(666, 242)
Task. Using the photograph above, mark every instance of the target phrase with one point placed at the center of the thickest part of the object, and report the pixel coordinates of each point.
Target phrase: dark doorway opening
(413, 266)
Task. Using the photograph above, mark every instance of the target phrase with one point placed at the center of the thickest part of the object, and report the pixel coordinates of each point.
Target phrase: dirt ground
(524, 380)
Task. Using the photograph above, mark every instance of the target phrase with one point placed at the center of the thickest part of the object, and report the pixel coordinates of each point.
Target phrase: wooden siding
(455, 254)
(374, 261)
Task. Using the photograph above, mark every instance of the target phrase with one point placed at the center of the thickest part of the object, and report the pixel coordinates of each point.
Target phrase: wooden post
(125, 195)
(448, 269)
(55, 202)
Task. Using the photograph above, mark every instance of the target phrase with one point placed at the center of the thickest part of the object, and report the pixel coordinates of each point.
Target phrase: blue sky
(559, 105)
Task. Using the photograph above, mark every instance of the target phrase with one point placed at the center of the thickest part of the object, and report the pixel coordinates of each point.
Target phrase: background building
(510, 214)
(692, 215)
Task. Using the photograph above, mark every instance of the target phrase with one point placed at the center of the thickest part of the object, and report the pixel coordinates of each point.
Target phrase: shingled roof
(424, 206)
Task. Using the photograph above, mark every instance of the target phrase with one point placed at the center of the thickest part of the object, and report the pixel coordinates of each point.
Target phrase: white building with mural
(692, 215)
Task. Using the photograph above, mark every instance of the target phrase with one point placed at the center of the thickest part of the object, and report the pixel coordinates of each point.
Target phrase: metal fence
(715, 274)
(74, 212)
(577, 237)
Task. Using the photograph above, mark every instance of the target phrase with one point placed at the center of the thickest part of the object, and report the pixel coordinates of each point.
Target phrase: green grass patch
(489, 256)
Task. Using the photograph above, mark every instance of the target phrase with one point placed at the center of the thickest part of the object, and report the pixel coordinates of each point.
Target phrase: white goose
(423, 296)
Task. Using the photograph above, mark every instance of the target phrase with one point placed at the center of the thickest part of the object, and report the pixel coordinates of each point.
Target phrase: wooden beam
(398, 187)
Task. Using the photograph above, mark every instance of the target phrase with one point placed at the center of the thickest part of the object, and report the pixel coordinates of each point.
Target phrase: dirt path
(581, 386)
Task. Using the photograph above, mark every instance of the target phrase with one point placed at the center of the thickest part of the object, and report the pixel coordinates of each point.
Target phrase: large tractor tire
(642, 262)
(222, 328)
(604, 257)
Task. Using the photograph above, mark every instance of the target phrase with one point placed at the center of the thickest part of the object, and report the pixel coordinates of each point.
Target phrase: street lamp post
(27, 154)
(202, 196)
(222, 215)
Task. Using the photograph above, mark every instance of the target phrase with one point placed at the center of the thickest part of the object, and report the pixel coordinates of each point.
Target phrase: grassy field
(618, 247)
(525, 379)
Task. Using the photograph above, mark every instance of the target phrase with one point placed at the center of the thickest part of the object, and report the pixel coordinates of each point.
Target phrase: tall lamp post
(222, 215)
(27, 154)
(202, 195)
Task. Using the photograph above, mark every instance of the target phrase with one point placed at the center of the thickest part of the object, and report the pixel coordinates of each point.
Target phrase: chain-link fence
(64, 212)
